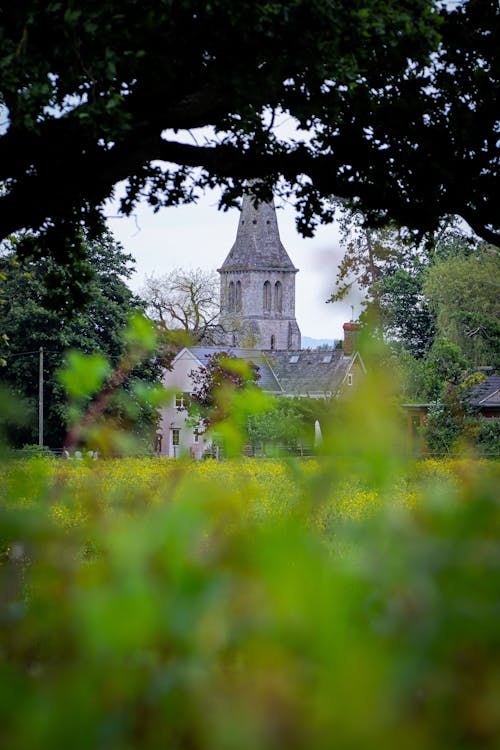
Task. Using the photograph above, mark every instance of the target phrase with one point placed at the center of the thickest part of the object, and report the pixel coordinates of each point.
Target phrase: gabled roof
(267, 380)
(304, 372)
(292, 373)
(258, 245)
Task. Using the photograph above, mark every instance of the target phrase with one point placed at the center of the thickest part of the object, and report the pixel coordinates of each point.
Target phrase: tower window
(237, 295)
(278, 296)
(230, 296)
(267, 296)
(273, 342)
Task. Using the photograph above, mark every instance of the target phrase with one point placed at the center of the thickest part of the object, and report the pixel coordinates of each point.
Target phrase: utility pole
(40, 396)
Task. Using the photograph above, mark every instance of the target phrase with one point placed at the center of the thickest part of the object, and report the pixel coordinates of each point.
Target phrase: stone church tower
(258, 284)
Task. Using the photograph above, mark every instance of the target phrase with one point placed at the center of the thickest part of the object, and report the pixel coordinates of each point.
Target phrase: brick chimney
(350, 338)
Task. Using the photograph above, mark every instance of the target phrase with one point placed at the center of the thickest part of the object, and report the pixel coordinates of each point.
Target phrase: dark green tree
(30, 323)
(399, 100)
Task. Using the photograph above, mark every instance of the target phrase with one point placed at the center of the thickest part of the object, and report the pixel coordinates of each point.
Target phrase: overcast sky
(200, 236)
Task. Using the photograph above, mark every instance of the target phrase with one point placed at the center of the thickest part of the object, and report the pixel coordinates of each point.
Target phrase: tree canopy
(29, 324)
(396, 105)
(464, 294)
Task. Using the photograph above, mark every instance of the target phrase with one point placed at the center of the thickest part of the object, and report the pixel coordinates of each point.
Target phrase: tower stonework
(258, 284)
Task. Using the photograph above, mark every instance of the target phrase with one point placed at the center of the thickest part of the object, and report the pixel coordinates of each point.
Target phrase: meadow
(249, 603)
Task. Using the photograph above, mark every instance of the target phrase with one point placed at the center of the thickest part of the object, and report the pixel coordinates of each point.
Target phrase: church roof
(258, 246)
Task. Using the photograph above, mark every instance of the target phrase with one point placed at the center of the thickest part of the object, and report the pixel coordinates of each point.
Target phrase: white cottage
(293, 374)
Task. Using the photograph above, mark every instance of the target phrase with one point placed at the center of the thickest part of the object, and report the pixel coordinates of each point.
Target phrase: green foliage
(464, 294)
(407, 283)
(95, 332)
(289, 424)
(153, 607)
(443, 428)
(444, 364)
(103, 413)
(89, 98)
(282, 425)
(84, 374)
(488, 437)
(217, 383)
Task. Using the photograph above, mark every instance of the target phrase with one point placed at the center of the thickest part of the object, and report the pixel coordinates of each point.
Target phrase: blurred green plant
(102, 412)
(350, 601)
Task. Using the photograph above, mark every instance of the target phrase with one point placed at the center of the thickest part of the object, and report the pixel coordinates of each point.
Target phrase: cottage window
(267, 296)
(181, 400)
(176, 436)
(349, 379)
(196, 436)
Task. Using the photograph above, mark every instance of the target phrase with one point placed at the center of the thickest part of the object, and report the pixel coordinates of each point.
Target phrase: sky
(200, 236)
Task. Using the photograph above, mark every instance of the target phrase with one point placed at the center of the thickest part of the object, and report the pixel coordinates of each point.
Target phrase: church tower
(258, 284)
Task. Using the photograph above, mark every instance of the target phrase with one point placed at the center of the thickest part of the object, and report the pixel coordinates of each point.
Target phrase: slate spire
(258, 246)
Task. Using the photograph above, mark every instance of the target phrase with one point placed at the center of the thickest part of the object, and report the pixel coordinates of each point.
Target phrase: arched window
(278, 296)
(237, 296)
(230, 296)
(267, 296)
(273, 342)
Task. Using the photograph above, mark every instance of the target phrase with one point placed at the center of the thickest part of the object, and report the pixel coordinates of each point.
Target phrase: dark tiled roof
(258, 245)
(267, 381)
(301, 372)
(305, 372)
(487, 393)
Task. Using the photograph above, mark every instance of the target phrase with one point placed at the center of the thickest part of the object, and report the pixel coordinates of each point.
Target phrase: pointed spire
(258, 245)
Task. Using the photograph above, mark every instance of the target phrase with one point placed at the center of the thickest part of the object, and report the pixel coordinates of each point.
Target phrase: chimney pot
(350, 338)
